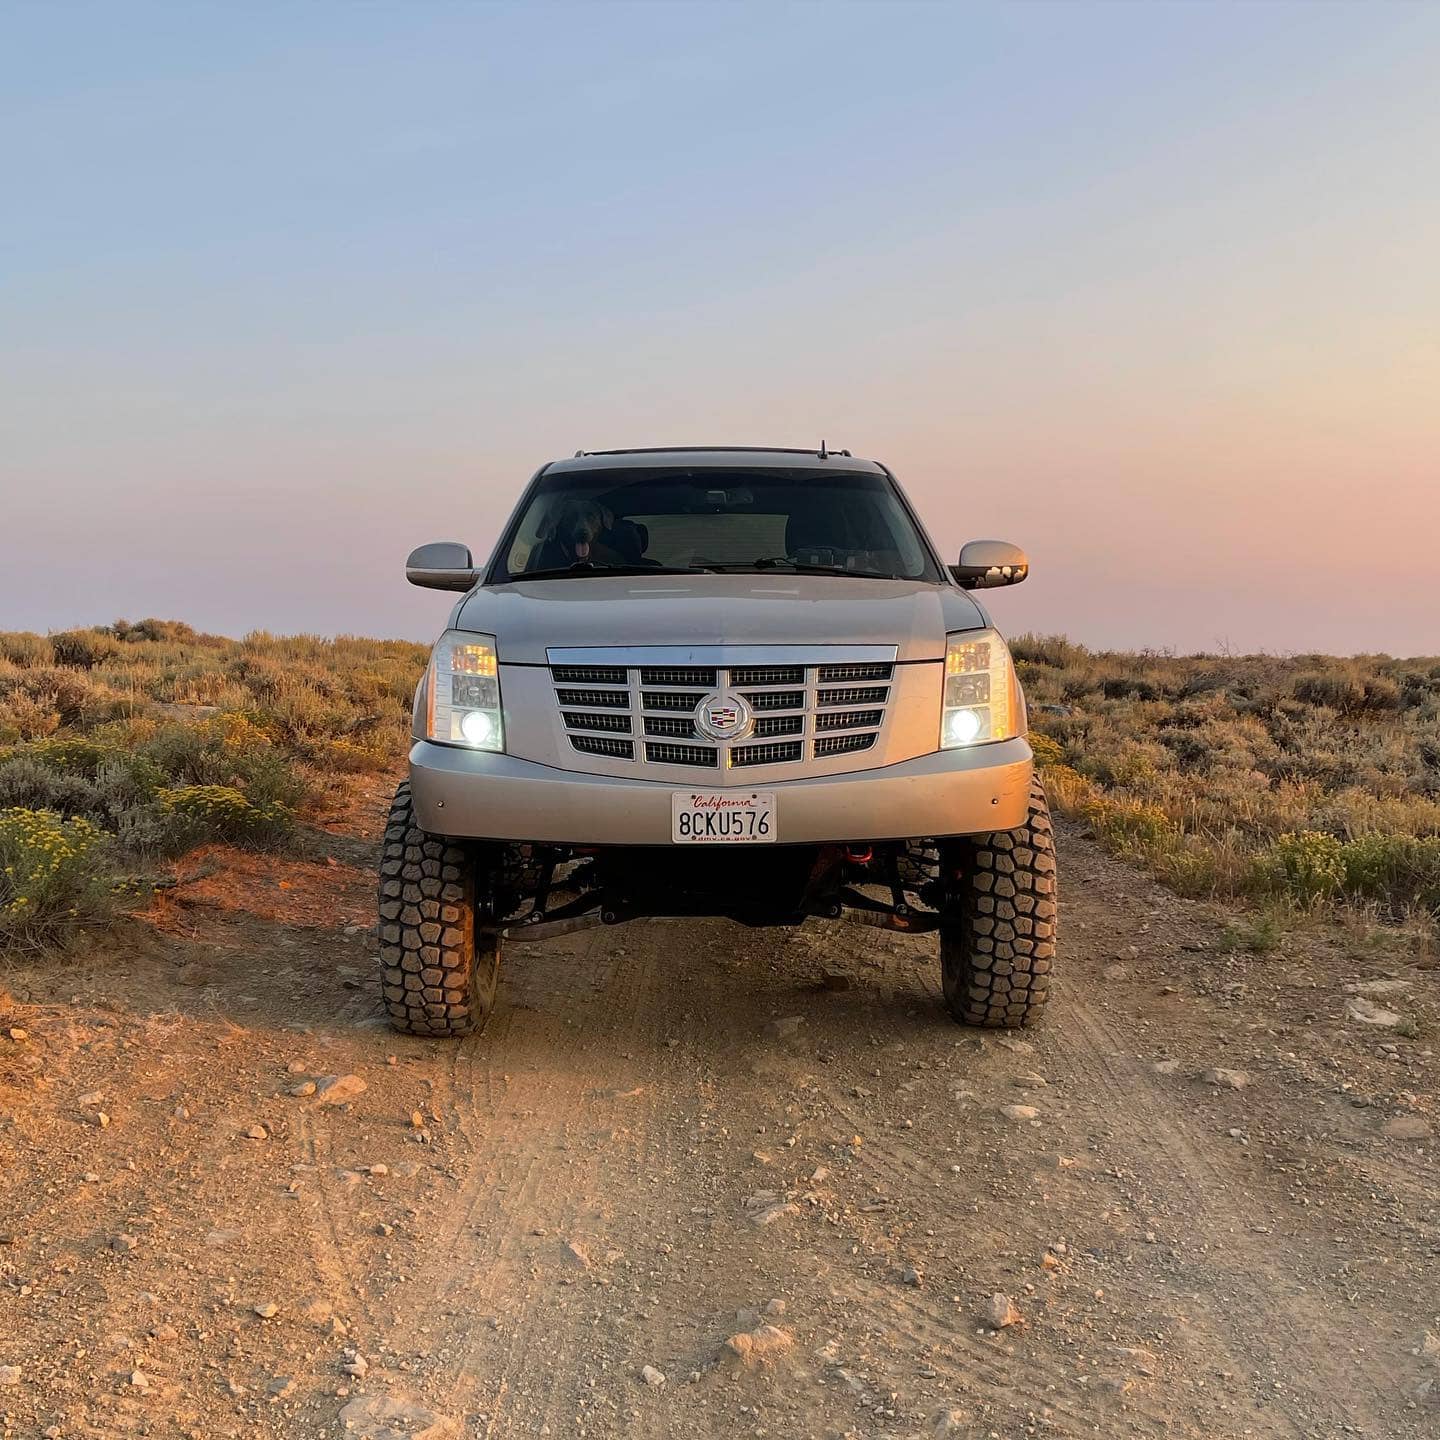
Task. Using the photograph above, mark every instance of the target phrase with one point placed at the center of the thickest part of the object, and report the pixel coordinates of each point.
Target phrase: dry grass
(1307, 779)
(125, 742)
(1304, 782)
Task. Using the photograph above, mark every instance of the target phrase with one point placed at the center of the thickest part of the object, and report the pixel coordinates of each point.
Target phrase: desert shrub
(1128, 687)
(1239, 752)
(1127, 763)
(262, 677)
(1394, 870)
(21, 648)
(118, 783)
(1069, 791)
(1053, 650)
(1346, 691)
(37, 702)
(52, 879)
(1337, 692)
(1047, 751)
(1381, 694)
(73, 754)
(1133, 827)
(226, 751)
(172, 631)
(26, 784)
(1418, 689)
(82, 649)
(224, 813)
(1264, 934)
(1307, 866)
(352, 754)
(1076, 684)
(153, 737)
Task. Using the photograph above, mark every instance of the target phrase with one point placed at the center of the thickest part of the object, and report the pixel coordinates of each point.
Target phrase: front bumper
(498, 797)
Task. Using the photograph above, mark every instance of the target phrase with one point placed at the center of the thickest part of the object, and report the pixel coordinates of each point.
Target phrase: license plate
(727, 817)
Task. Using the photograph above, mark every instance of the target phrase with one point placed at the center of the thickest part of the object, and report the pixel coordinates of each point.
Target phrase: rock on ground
(766, 1206)
(1367, 1012)
(948, 1423)
(338, 1089)
(1406, 1127)
(385, 1417)
(757, 1346)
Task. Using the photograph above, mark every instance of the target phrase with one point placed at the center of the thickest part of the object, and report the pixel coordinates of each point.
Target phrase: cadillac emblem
(724, 716)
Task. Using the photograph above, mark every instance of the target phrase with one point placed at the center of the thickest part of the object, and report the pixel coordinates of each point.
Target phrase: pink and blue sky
(1153, 290)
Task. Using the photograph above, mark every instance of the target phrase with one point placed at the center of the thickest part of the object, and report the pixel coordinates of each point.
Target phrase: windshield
(582, 522)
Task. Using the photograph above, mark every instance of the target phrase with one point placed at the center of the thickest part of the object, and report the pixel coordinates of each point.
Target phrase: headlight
(463, 692)
(982, 700)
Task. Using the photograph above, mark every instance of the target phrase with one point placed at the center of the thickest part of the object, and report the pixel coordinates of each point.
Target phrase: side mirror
(987, 563)
(445, 565)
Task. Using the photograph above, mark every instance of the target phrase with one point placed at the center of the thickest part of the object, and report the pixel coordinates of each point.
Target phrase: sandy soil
(674, 1134)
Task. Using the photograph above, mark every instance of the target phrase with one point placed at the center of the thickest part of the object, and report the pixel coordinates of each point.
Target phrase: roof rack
(822, 452)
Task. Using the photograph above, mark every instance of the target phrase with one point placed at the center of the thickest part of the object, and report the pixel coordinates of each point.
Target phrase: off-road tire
(438, 969)
(997, 937)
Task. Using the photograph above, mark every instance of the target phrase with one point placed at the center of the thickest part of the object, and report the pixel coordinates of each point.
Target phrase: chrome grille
(774, 699)
(667, 754)
(671, 699)
(869, 695)
(843, 744)
(768, 675)
(580, 720)
(865, 670)
(849, 719)
(780, 725)
(773, 754)
(800, 710)
(677, 675)
(620, 699)
(604, 745)
(589, 674)
(670, 725)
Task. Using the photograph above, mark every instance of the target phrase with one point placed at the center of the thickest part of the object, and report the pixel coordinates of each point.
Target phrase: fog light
(477, 727)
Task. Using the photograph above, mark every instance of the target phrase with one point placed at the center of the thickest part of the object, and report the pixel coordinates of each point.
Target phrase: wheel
(438, 969)
(919, 865)
(997, 934)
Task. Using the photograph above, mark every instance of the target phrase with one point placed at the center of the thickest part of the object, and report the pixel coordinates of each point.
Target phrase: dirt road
(672, 1134)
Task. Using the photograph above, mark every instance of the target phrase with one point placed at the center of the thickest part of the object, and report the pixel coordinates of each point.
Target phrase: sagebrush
(130, 741)
(1309, 778)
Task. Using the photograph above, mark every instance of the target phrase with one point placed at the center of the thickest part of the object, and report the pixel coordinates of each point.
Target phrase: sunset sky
(1152, 290)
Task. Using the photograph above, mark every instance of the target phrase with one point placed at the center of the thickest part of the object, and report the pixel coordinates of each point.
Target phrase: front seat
(630, 539)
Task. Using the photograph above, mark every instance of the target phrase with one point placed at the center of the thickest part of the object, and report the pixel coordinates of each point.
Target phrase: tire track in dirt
(891, 1161)
(1255, 1324)
(325, 1208)
(1031, 1377)
(636, 1085)
(534, 1176)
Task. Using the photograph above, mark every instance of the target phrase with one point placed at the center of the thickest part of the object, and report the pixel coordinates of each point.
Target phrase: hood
(532, 616)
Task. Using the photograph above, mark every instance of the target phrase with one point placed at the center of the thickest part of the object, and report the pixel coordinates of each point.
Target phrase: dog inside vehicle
(585, 532)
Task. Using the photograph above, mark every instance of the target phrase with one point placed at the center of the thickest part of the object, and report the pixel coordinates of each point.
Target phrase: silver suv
(716, 682)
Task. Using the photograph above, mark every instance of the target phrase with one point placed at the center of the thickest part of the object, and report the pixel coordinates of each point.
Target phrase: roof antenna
(824, 453)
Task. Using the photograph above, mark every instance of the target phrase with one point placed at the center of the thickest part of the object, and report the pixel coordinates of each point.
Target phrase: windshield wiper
(583, 569)
(777, 562)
